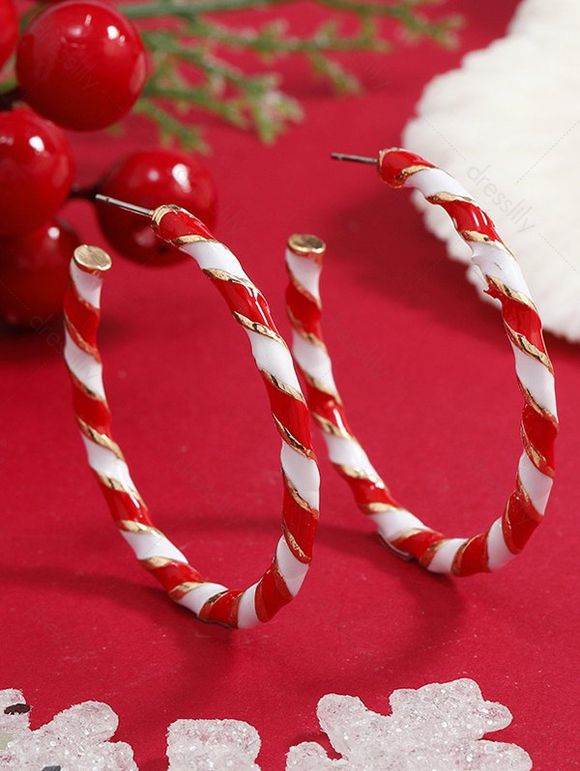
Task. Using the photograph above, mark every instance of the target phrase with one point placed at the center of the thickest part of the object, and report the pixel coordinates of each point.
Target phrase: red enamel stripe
(271, 593)
(178, 223)
(327, 407)
(520, 317)
(242, 299)
(519, 521)
(301, 525)
(304, 308)
(468, 216)
(473, 558)
(224, 610)
(124, 506)
(293, 414)
(416, 545)
(541, 431)
(393, 163)
(366, 492)
(83, 317)
(92, 411)
(175, 573)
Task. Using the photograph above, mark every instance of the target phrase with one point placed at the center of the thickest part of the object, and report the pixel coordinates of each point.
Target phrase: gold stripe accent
(101, 439)
(377, 507)
(482, 238)
(410, 533)
(131, 526)
(309, 336)
(431, 551)
(320, 386)
(161, 211)
(191, 238)
(528, 348)
(299, 499)
(92, 259)
(521, 490)
(181, 590)
(80, 341)
(152, 563)
(88, 391)
(357, 473)
(444, 197)
(223, 275)
(293, 545)
(260, 329)
(115, 484)
(330, 428)
(512, 294)
(283, 387)
(291, 440)
(530, 399)
(304, 244)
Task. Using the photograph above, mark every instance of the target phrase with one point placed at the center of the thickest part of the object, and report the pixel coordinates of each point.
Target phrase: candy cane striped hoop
(400, 529)
(211, 602)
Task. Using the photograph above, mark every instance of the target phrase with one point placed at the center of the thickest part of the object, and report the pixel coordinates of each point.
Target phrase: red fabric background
(429, 380)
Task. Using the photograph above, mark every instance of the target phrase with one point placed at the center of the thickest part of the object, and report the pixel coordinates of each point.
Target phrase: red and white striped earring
(400, 529)
(210, 602)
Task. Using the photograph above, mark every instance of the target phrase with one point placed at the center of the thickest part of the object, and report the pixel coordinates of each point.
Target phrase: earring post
(353, 158)
(124, 205)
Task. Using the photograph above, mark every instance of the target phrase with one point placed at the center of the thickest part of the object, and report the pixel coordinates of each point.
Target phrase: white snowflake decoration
(505, 124)
(436, 728)
(212, 745)
(76, 739)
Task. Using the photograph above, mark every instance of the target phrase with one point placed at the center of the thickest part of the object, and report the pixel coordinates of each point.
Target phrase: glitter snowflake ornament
(212, 745)
(76, 739)
(438, 727)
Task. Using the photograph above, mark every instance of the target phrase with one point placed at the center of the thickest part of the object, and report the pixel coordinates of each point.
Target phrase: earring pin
(354, 158)
(124, 205)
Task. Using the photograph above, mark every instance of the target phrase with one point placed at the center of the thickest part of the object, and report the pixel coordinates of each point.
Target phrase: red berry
(34, 274)
(81, 64)
(36, 171)
(8, 30)
(149, 179)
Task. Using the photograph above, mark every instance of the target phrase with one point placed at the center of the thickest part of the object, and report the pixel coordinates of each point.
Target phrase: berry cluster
(80, 65)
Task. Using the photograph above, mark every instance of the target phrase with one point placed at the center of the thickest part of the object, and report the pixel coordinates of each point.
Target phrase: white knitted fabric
(507, 125)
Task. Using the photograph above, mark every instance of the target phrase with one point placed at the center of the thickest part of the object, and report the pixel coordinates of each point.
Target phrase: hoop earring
(400, 529)
(210, 602)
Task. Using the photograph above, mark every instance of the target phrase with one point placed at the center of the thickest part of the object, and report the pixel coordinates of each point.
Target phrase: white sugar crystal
(14, 716)
(212, 745)
(435, 728)
(74, 740)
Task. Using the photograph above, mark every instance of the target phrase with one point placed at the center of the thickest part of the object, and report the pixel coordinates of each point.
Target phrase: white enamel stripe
(537, 485)
(313, 360)
(148, 545)
(306, 272)
(394, 523)
(88, 286)
(497, 550)
(432, 181)
(247, 616)
(495, 262)
(537, 379)
(215, 255)
(84, 367)
(292, 570)
(303, 474)
(274, 357)
(197, 597)
(107, 464)
(444, 556)
(348, 452)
